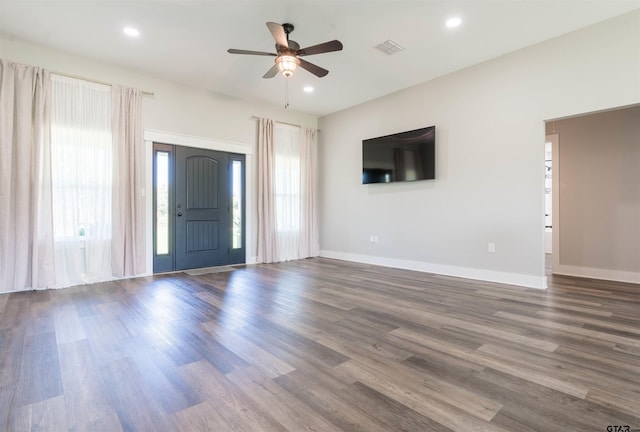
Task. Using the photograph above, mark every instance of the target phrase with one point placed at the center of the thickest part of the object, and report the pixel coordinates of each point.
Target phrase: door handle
(179, 214)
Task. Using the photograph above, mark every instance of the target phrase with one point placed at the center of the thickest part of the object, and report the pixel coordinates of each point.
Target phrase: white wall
(174, 108)
(490, 157)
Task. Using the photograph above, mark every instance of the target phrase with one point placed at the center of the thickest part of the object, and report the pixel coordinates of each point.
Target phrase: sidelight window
(162, 202)
(236, 204)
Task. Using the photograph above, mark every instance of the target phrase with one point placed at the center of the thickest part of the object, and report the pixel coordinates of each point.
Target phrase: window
(287, 178)
(236, 204)
(81, 173)
(288, 182)
(162, 202)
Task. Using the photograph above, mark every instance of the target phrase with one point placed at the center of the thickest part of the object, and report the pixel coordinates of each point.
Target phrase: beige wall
(490, 148)
(490, 157)
(598, 175)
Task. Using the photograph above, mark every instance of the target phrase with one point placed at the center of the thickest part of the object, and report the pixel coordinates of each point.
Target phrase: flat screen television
(401, 157)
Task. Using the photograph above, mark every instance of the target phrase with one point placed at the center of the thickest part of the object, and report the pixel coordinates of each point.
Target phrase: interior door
(201, 208)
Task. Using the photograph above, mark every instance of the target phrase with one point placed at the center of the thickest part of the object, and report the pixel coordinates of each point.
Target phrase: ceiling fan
(288, 52)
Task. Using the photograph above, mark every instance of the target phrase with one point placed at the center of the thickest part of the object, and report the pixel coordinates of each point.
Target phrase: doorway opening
(550, 149)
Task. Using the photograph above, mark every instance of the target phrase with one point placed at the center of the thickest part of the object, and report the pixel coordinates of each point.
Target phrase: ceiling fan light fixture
(287, 64)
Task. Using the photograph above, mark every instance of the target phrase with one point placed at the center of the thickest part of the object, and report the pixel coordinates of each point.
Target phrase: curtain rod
(147, 93)
(144, 92)
(284, 123)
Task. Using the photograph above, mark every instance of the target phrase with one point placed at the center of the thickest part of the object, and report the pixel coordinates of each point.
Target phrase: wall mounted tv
(401, 157)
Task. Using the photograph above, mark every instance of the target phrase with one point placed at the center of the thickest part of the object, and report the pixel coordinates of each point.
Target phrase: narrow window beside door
(236, 205)
(162, 206)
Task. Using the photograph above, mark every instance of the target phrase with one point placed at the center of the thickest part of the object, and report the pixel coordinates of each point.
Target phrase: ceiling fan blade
(316, 70)
(334, 45)
(271, 72)
(277, 31)
(260, 53)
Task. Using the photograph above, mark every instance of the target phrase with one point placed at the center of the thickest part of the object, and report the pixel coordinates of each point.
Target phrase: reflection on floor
(321, 345)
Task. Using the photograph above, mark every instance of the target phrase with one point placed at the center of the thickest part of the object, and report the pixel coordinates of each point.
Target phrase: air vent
(390, 47)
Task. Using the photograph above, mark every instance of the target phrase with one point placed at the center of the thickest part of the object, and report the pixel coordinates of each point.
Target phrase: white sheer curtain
(287, 191)
(26, 234)
(82, 165)
(287, 201)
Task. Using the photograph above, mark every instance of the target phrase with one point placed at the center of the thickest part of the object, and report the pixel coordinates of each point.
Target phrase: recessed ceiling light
(130, 31)
(454, 22)
(308, 89)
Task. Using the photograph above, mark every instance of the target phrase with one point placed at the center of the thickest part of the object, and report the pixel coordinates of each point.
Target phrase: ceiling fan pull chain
(286, 92)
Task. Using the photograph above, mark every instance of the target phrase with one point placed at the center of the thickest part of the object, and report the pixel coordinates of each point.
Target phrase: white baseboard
(596, 273)
(528, 281)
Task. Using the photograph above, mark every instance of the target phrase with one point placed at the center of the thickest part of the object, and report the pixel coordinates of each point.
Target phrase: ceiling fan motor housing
(288, 28)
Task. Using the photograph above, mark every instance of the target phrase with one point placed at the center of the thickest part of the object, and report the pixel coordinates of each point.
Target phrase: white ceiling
(186, 41)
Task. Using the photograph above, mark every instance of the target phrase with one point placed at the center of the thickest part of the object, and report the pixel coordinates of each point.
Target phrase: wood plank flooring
(320, 345)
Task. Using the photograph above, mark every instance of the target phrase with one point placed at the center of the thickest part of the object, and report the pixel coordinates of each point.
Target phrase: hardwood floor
(321, 345)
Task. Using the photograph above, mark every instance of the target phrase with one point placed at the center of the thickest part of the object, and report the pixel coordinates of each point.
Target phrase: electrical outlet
(491, 247)
(373, 238)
